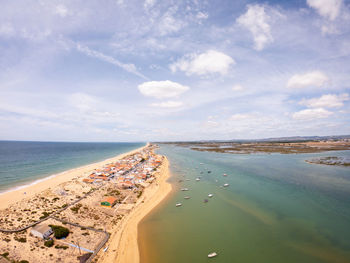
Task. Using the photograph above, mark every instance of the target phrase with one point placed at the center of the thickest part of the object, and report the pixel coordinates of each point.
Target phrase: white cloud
(149, 3)
(61, 10)
(329, 29)
(310, 114)
(168, 104)
(6, 30)
(201, 15)
(209, 62)
(326, 101)
(82, 101)
(210, 124)
(327, 8)
(256, 21)
(162, 89)
(237, 87)
(92, 53)
(309, 79)
(242, 116)
(168, 24)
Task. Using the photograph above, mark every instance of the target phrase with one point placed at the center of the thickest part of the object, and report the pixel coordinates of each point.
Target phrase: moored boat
(187, 197)
(184, 189)
(210, 195)
(213, 254)
(178, 204)
(225, 185)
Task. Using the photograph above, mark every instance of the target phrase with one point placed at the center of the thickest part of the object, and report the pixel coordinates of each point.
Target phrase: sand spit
(12, 197)
(123, 244)
(94, 202)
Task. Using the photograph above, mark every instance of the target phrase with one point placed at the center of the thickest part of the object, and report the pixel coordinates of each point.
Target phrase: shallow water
(277, 208)
(24, 162)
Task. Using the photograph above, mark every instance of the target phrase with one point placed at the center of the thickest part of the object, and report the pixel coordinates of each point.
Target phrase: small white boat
(225, 185)
(184, 189)
(210, 195)
(178, 204)
(198, 179)
(211, 255)
(105, 249)
(225, 174)
(187, 197)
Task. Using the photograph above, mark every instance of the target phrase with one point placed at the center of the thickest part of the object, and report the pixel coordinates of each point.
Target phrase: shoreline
(123, 245)
(16, 194)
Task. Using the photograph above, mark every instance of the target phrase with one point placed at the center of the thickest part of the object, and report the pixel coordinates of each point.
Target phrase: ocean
(277, 208)
(22, 163)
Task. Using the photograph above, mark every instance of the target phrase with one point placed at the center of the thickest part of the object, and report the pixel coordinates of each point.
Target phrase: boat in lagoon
(198, 179)
(184, 189)
(210, 195)
(213, 254)
(289, 204)
(225, 185)
(187, 197)
(178, 204)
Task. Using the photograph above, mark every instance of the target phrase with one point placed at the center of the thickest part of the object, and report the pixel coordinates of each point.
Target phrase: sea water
(277, 208)
(22, 163)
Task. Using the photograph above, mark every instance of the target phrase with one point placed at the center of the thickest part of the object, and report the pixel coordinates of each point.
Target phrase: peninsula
(86, 214)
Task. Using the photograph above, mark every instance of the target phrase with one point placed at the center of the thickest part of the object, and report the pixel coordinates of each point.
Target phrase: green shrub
(45, 214)
(76, 208)
(20, 239)
(61, 247)
(49, 243)
(59, 231)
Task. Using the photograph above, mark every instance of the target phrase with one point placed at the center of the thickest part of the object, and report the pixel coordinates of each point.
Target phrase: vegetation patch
(76, 208)
(20, 239)
(59, 231)
(49, 243)
(61, 247)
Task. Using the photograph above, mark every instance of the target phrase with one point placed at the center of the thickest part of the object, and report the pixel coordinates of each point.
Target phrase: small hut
(43, 231)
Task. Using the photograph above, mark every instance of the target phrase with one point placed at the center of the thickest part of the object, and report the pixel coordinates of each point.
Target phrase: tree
(59, 231)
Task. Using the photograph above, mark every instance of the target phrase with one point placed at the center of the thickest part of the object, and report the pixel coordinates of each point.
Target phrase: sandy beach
(123, 244)
(14, 196)
(23, 206)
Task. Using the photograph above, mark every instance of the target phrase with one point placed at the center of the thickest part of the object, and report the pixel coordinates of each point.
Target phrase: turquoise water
(278, 208)
(24, 162)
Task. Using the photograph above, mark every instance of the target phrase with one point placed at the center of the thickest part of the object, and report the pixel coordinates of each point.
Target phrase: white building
(43, 231)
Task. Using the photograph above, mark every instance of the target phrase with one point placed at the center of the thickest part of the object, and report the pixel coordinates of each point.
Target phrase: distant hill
(305, 138)
(277, 139)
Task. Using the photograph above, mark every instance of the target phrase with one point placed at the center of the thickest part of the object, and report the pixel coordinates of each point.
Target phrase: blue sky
(173, 70)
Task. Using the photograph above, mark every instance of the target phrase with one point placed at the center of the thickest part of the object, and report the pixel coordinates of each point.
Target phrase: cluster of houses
(136, 169)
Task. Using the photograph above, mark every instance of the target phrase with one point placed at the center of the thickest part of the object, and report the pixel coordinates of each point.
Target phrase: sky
(152, 70)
